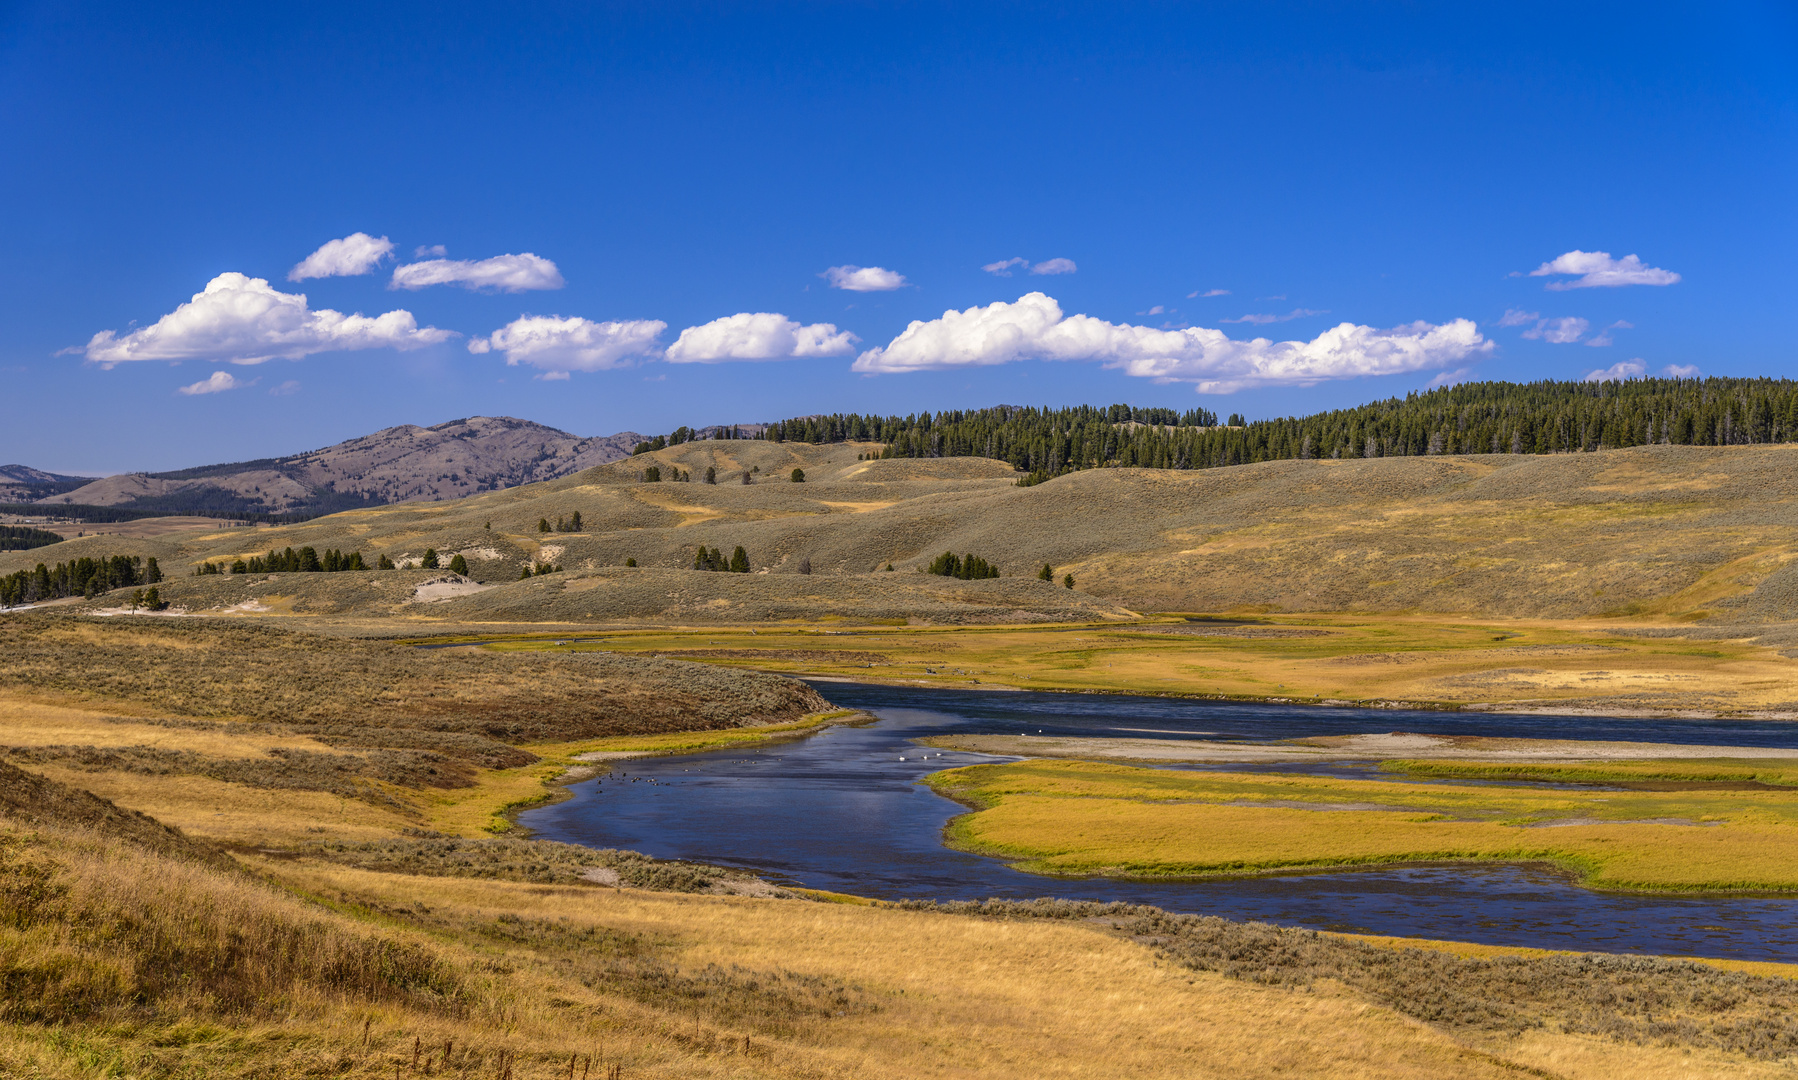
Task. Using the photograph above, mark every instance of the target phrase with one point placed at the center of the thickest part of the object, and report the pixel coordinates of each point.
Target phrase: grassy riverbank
(1081, 818)
(1617, 666)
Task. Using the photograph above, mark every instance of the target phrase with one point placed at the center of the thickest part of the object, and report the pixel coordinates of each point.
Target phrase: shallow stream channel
(840, 810)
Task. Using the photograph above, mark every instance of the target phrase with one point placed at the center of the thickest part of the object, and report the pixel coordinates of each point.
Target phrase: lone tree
(711, 474)
(1047, 573)
(630, 562)
(652, 475)
(459, 565)
(1068, 581)
(798, 476)
(805, 564)
(739, 561)
(430, 559)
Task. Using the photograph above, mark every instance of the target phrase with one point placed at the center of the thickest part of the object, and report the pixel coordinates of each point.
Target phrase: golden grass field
(1417, 660)
(1083, 818)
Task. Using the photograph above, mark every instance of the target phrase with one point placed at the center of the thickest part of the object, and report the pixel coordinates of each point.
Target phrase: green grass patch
(1081, 818)
(1694, 771)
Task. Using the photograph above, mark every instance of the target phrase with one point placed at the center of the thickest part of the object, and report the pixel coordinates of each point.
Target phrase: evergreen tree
(805, 564)
(152, 572)
(746, 480)
(430, 559)
(574, 523)
(542, 525)
(798, 476)
(652, 475)
(739, 561)
(458, 565)
(383, 563)
(1047, 573)
(153, 599)
(525, 574)
(711, 474)
(630, 562)
(1068, 581)
(240, 567)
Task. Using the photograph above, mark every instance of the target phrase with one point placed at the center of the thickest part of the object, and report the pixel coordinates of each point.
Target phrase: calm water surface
(839, 810)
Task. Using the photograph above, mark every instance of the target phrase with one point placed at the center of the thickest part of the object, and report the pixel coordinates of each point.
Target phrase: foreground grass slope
(1665, 532)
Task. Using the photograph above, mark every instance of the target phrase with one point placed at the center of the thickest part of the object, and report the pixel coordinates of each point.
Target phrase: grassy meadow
(1416, 660)
(1083, 818)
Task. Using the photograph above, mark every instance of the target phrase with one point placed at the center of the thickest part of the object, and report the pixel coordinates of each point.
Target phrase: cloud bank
(502, 273)
(558, 346)
(1034, 328)
(758, 336)
(243, 320)
(355, 254)
(1597, 270)
(863, 278)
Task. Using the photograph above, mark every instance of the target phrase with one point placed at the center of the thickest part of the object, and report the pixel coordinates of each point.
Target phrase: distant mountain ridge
(396, 464)
(22, 483)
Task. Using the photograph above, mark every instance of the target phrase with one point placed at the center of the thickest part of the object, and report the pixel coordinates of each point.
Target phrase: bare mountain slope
(398, 464)
(1659, 532)
(22, 483)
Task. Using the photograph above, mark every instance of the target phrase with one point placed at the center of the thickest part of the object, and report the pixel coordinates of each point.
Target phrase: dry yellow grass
(963, 998)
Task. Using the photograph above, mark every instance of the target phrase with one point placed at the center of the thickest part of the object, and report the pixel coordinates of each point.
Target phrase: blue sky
(1381, 179)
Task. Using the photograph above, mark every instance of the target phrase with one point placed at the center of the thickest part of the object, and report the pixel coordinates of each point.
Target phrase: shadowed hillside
(1662, 531)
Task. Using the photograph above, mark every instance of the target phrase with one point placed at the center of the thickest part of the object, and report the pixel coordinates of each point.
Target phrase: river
(839, 810)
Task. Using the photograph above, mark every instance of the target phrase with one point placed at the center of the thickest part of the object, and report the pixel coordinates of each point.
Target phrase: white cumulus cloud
(863, 278)
(762, 335)
(1033, 327)
(1619, 372)
(1681, 371)
(1558, 331)
(245, 321)
(1596, 269)
(1051, 267)
(220, 380)
(502, 273)
(557, 345)
(355, 254)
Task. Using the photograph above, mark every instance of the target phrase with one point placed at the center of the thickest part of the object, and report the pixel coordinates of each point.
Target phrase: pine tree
(525, 574)
(459, 565)
(1068, 581)
(652, 475)
(574, 523)
(542, 525)
(798, 476)
(630, 562)
(153, 599)
(152, 572)
(1047, 573)
(739, 561)
(711, 474)
(383, 563)
(430, 559)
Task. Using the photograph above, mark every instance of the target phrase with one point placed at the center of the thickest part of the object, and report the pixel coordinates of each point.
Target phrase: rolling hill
(1657, 532)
